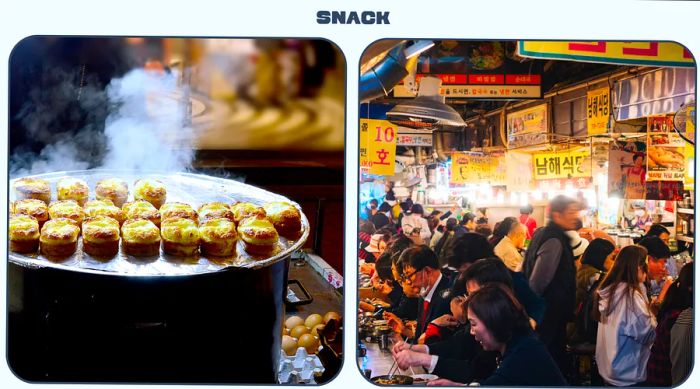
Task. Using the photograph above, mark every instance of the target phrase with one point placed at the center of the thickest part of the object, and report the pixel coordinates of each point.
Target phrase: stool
(584, 370)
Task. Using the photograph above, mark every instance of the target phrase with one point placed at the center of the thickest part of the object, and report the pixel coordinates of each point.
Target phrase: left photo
(174, 210)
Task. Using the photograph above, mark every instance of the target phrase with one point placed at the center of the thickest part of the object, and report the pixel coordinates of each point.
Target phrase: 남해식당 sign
(564, 164)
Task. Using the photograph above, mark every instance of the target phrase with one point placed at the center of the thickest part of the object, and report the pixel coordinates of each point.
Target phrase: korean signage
(476, 168)
(667, 54)
(690, 150)
(573, 163)
(377, 147)
(496, 86)
(527, 127)
(414, 139)
(665, 149)
(598, 111)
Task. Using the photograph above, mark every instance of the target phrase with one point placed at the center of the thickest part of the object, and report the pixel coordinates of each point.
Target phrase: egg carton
(299, 368)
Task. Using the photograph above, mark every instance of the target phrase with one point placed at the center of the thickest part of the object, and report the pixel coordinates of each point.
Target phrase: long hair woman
(500, 323)
(626, 328)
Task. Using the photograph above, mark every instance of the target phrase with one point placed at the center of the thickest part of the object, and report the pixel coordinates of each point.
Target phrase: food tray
(193, 189)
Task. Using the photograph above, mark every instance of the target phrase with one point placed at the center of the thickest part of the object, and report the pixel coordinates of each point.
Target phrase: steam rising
(146, 128)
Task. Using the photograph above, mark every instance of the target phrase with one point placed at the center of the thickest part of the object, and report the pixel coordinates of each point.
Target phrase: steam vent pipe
(382, 77)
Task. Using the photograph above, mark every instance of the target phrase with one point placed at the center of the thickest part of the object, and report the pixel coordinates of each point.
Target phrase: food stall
(224, 127)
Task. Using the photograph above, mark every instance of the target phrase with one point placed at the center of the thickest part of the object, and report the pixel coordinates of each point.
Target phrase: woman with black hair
(595, 263)
(678, 298)
(500, 323)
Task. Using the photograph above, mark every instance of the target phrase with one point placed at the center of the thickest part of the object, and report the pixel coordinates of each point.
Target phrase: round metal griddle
(193, 189)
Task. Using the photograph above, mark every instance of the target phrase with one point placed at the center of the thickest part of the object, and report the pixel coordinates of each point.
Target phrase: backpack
(587, 316)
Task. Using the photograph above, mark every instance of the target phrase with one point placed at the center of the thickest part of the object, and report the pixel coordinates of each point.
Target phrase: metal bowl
(396, 379)
(193, 189)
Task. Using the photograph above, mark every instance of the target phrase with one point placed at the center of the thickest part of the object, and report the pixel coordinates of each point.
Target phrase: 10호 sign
(564, 164)
(377, 147)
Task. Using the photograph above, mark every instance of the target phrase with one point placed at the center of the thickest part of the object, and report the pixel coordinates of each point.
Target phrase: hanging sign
(689, 182)
(478, 168)
(666, 159)
(379, 149)
(669, 54)
(564, 164)
(527, 127)
(598, 111)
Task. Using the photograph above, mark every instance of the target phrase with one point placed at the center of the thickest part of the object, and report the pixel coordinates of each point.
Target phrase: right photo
(526, 213)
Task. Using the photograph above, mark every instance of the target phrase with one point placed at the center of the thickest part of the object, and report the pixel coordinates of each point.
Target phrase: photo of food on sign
(505, 189)
(174, 206)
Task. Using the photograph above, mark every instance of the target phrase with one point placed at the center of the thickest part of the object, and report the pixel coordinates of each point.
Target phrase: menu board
(665, 150)
(477, 168)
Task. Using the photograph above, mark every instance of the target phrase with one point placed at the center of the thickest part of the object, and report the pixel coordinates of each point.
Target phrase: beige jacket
(505, 249)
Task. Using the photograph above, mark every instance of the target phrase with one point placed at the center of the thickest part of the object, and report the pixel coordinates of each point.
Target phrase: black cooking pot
(169, 320)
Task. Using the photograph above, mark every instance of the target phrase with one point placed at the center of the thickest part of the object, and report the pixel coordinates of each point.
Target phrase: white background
(488, 19)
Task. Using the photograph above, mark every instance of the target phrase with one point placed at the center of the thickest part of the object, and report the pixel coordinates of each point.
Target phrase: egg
(331, 315)
(298, 331)
(312, 320)
(309, 342)
(317, 327)
(289, 345)
(293, 321)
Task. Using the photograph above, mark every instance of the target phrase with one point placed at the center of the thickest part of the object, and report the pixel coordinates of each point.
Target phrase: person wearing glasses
(421, 272)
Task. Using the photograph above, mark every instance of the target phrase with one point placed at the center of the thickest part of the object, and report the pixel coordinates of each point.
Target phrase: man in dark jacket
(549, 267)
(422, 271)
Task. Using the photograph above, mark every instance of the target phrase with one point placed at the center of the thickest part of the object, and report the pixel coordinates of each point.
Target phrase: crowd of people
(505, 306)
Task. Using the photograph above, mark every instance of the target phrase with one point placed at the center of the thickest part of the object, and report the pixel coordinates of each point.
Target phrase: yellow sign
(378, 152)
(689, 181)
(478, 168)
(598, 111)
(618, 52)
(563, 164)
(527, 127)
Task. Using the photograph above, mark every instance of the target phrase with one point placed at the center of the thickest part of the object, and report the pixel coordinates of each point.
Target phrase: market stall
(497, 129)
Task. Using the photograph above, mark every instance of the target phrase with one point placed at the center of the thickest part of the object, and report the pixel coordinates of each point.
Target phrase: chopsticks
(391, 374)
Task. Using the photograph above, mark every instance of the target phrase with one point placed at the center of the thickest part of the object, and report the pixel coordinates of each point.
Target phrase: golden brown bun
(103, 207)
(214, 210)
(101, 236)
(71, 188)
(32, 207)
(150, 190)
(180, 236)
(218, 237)
(245, 210)
(113, 189)
(258, 235)
(59, 237)
(141, 209)
(140, 237)
(67, 209)
(32, 188)
(24, 234)
(285, 217)
(185, 211)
